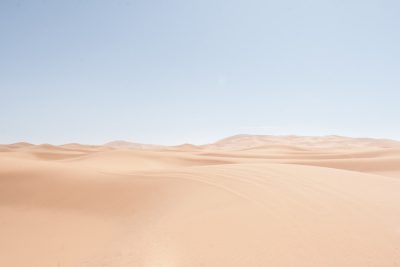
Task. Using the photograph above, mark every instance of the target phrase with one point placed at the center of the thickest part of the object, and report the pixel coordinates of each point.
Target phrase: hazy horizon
(205, 143)
(194, 72)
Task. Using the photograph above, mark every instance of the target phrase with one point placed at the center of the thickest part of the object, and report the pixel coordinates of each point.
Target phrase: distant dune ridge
(246, 200)
(247, 141)
(125, 144)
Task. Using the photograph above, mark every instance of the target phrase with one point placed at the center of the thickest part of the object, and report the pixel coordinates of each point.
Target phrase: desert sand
(246, 200)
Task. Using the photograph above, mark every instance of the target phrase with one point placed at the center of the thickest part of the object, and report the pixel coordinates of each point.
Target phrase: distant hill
(130, 145)
(246, 141)
(186, 147)
(238, 142)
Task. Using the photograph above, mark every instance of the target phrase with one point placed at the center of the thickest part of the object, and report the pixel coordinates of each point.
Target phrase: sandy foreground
(243, 201)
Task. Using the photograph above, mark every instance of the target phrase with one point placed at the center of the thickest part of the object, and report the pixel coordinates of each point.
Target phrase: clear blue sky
(194, 71)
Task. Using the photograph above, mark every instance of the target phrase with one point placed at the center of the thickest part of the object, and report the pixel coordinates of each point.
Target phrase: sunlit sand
(243, 201)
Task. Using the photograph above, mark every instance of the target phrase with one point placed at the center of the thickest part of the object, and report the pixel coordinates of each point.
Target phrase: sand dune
(244, 141)
(126, 145)
(243, 201)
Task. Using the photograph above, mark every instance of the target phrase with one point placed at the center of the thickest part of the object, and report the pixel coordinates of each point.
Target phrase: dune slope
(255, 206)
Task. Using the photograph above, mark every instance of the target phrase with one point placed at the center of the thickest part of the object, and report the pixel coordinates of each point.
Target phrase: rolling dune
(243, 201)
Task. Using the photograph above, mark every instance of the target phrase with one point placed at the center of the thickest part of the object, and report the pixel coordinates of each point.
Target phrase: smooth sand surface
(243, 201)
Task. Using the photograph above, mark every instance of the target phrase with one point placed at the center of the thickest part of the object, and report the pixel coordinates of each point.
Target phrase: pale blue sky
(195, 71)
